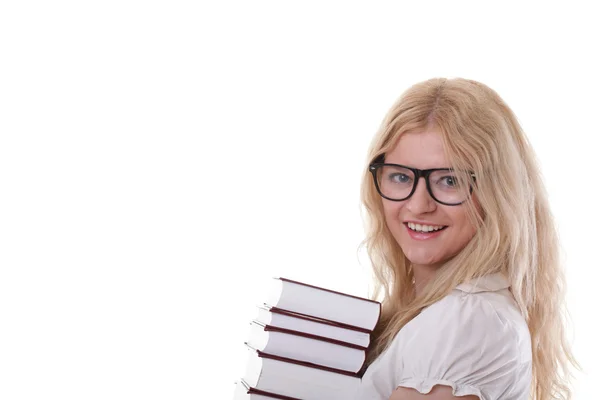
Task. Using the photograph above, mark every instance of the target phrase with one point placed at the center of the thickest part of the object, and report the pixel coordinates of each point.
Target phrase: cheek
(464, 229)
(394, 224)
(391, 213)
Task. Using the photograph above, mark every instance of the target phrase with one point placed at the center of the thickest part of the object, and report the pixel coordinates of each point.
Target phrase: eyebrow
(381, 160)
(411, 166)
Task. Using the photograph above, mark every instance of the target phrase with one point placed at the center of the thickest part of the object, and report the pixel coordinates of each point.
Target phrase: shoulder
(471, 319)
(474, 341)
(477, 343)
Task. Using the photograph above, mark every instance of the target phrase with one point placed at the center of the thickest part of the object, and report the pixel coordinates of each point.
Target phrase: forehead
(419, 149)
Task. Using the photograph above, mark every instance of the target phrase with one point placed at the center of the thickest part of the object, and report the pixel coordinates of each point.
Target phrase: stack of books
(307, 343)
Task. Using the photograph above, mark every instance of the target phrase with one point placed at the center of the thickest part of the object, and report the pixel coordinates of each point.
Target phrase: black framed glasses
(397, 182)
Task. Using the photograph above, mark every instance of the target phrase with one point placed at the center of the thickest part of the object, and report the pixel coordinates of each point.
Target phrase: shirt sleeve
(465, 343)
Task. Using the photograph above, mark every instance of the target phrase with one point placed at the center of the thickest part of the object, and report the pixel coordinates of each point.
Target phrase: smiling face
(423, 150)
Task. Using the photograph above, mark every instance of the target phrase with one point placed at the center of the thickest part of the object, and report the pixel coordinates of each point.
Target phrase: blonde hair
(515, 235)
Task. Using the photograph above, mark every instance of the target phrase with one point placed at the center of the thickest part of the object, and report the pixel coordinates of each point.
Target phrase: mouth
(423, 232)
(424, 236)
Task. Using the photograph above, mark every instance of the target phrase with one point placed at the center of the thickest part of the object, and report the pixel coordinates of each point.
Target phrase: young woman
(466, 260)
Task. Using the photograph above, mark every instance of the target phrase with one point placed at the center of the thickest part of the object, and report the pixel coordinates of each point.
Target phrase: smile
(424, 228)
(420, 235)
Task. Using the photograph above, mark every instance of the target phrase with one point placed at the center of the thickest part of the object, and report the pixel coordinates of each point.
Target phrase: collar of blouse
(487, 283)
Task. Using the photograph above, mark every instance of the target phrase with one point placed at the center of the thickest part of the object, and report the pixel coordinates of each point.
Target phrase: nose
(421, 201)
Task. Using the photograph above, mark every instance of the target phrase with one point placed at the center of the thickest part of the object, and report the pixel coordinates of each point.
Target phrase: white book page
(306, 383)
(315, 351)
(331, 306)
(315, 328)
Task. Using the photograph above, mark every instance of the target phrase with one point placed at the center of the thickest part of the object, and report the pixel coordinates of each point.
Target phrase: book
(313, 326)
(284, 377)
(344, 310)
(306, 347)
(307, 343)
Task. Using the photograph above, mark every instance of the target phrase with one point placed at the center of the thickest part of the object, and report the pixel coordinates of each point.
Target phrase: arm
(438, 392)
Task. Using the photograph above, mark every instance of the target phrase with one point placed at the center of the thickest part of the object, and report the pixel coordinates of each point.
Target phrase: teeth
(423, 228)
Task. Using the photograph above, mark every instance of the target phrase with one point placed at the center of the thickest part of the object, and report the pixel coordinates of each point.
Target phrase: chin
(427, 263)
(421, 260)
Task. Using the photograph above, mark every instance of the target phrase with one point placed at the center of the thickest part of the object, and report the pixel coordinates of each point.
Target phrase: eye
(449, 181)
(399, 178)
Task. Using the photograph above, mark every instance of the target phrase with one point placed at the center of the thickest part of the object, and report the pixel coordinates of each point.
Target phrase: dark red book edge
(262, 354)
(251, 390)
(271, 328)
(320, 320)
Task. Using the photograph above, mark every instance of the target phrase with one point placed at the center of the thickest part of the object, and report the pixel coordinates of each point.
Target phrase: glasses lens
(447, 186)
(450, 186)
(395, 182)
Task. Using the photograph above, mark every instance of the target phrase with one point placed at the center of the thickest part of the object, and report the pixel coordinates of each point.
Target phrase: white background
(160, 161)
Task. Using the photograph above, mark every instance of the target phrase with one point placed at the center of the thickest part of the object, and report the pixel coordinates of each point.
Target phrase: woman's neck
(422, 275)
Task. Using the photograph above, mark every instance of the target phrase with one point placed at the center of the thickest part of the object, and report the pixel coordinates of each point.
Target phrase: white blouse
(474, 340)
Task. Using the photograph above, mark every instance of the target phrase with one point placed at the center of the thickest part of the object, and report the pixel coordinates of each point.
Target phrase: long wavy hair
(515, 234)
